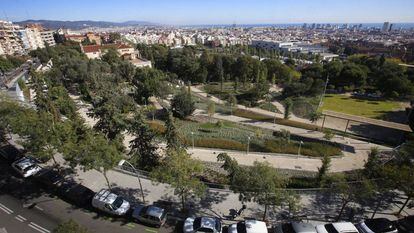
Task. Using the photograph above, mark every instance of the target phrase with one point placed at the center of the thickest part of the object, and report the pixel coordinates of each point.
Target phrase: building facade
(9, 38)
(48, 37)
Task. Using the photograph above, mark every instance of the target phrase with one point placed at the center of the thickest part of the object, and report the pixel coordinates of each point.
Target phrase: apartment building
(9, 38)
(48, 37)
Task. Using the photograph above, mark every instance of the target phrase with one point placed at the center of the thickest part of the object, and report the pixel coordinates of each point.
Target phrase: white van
(110, 202)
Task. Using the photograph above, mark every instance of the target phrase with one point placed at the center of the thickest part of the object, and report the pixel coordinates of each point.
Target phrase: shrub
(312, 149)
(252, 115)
(157, 127)
(216, 143)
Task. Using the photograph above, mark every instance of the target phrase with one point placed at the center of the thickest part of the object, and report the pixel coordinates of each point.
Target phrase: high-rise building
(48, 37)
(386, 27)
(9, 38)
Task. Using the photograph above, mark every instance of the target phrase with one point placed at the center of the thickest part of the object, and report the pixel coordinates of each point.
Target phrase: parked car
(406, 225)
(376, 225)
(26, 166)
(151, 214)
(295, 227)
(49, 178)
(202, 224)
(10, 153)
(75, 193)
(110, 202)
(248, 226)
(337, 227)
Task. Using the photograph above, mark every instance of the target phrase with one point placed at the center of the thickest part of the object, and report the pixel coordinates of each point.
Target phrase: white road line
(21, 217)
(7, 212)
(37, 207)
(37, 229)
(44, 229)
(5, 207)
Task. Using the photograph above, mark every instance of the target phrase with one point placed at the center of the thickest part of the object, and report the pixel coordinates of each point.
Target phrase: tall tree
(182, 104)
(171, 134)
(211, 109)
(142, 147)
(180, 171)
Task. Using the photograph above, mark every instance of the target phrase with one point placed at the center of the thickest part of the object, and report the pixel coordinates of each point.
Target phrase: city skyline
(184, 12)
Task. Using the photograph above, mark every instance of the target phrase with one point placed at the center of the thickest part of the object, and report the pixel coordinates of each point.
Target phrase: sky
(187, 12)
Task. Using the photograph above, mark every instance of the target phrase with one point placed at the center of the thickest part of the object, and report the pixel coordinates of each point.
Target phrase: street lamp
(192, 138)
(300, 146)
(248, 144)
(135, 170)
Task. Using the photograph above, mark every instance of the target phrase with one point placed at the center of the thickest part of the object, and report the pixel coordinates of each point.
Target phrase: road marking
(150, 230)
(38, 228)
(5, 209)
(37, 207)
(19, 219)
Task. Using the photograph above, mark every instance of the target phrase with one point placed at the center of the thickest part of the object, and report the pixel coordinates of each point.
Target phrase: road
(25, 207)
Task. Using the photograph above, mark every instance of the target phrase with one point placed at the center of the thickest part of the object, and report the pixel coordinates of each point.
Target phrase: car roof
(255, 226)
(407, 222)
(379, 225)
(155, 211)
(206, 222)
(301, 227)
(344, 227)
(105, 196)
(24, 162)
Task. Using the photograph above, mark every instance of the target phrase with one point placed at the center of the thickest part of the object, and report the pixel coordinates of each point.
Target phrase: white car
(26, 166)
(248, 226)
(202, 224)
(110, 203)
(337, 227)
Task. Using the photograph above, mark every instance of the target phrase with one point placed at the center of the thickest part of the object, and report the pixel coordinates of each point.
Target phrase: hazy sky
(213, 11)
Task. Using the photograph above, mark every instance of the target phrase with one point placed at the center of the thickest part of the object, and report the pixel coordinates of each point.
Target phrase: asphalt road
(26, 207)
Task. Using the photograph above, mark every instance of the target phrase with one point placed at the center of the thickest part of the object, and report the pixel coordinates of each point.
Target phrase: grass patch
(359, 107)
(269, 107)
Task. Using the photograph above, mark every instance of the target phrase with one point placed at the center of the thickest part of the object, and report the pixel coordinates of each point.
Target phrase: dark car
(376, 225)
(10, 153)
(406, 225)
(49, 178)
(75, 193)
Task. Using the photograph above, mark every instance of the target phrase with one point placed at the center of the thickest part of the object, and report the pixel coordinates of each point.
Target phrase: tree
(171, 134)
(232, 101)
(262, 184)
(182, 105)
(359, 190)
(147, 83)
(288, 107)
(94, 151)
(211, 109)
(314, 116)
(180, 171)
(324, 169)
(142, 147)
(70, 227)
(230, 165)
(328, 134)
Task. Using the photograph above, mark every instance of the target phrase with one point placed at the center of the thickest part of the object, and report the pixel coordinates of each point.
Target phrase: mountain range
(55, 24)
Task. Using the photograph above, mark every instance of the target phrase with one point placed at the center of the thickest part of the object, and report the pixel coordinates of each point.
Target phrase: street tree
(324, 169)
(142, 148)
(232, 101)
(288, 107)
(261, 183)
(180, 171)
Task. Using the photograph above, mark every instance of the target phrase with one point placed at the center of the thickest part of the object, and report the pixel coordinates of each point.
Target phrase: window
(118, 202)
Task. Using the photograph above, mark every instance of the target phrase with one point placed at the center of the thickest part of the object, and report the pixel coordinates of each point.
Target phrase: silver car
(26, 166)
(152, 215)
(202, 224)
(295, 227)
(376, 225)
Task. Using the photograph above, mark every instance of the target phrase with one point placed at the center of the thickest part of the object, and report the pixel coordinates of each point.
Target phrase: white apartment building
(48, 38)
(9, 38)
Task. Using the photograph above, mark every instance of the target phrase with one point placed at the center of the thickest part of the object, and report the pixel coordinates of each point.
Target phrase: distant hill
(55, 24)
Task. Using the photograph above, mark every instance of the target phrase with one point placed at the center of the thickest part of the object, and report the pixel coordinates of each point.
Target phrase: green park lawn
(359, 107)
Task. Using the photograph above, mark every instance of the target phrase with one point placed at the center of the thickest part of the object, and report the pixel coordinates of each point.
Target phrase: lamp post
(135, 170)
(248, 144)
(192, 138)
(300, 146)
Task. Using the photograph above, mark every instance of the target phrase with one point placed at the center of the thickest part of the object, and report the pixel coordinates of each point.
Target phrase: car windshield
(330, 228)
(29, 167)
(118, 202)
(287, 228)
